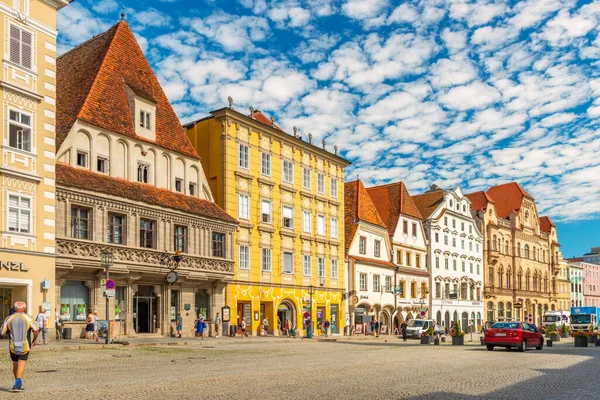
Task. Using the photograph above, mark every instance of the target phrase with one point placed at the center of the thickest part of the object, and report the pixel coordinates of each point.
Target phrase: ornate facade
(521, 254)
(130, 183)
(27, 177)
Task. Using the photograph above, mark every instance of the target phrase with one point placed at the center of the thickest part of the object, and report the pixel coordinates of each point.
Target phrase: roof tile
(358, 206)
(392, 200)
(428, 201)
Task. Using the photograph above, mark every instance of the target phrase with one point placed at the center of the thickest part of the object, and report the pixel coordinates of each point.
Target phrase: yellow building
(288, 196)
(563, 298)
(28, 111)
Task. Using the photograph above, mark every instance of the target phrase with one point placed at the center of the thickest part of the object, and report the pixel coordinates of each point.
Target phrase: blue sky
(447, 92)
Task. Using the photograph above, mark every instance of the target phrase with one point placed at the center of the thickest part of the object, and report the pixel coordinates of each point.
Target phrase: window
(334, 228)
(115, 228)
(477, 247)
(19, 214)
(266, 260)
(377, 248)
(446, 240)
(454, 265)
(462, 226)
(102, 165)
(405, 227)
(376, 283)
(192, 189)
(307, 265)
(470, 246)
(453, 242)
(80, 223)
(320, 225)
(413, 290)
(333, 188)
(418, 260)
(144, 119)
(388, 284)
(179, 185)
(363, 281)
(320, 267)
(265, 211)
(244, 156)
(143, 172)
(445, 221)
(408, 258)
(288, 171)
(526, 251)
(438, 290)
(454, 223)
(21, 47)
(464, 266)
(400, 288)
(437, 262)
(462, 244)
(320, 183)
(471, 268)
(174, 310)
(146, 233)
(414, 229)
(398, 256)
(334, 269)
(19, 130)
(437, 237)
(288, 217)
(243, 206)
(470, 229)
(244, 257)
(288, 263)
(362, 245)
(218, 244)
(265, 164)
(82, 159)
(306, 182)
(446, 290)
(180, 238)
(446, 263)
(306, 221)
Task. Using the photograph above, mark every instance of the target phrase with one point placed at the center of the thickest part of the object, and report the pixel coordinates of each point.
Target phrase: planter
(592, 339)
(436, 341)
(425, 339)
(564, 335)
(581, 341)
(458, 340)
(555, 337)
(547, 335)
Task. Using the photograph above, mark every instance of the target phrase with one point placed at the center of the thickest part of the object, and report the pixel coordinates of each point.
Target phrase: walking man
(326, 328)
(179, 325)
(403, 330)
(19, 326)
(266, 325)
(42, 321)
(376, 326)
(218, 322)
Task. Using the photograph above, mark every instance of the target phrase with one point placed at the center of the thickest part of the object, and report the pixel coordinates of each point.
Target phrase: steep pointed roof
(479, 200)
(546, 224)
(358, 207)
(92, 83)
(507, 197)
(392, 200)
(428, 201)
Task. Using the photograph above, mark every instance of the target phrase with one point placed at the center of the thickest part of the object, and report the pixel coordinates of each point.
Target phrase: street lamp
(311, 291)
(106, 261)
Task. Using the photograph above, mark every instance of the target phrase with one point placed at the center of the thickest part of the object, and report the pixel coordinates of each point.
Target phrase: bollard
(549, 342)
(436, 341)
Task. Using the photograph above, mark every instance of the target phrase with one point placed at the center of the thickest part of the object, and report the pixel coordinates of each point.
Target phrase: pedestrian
(372, 327)
(200, 327)
(280, 326)
(179, 322)
(19, 327)
(327, 325)
(58, 325)
(218, 322)
(243, 325)
(90, 327)
(308, 325)
(266, 325)
(42, 321)
(436, 330)
(288, 326)
(376, 326)
(403, 327)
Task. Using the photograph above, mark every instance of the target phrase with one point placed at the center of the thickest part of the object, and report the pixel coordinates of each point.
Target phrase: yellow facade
(28, 146)
(277, 293)
(563, 298)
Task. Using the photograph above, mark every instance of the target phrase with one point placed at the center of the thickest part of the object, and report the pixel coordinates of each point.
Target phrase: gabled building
(455, 257)
(27, 183)
(129, 182)
(287, 194)
(521, 254)
(408, 250)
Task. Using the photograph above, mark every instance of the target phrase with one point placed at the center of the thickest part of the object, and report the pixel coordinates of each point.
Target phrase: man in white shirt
(42, 321)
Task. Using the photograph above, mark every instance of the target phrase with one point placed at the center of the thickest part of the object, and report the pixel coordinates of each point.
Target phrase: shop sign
(518, 305)
(225, 312)
(187, 307)
(364, 297)
(348, 294)
(354, 299)
(319, 314)
(477, 303)
(404, 302)
(13, 266)
(359, 310)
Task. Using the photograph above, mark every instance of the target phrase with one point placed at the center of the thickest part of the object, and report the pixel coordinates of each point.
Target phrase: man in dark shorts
(19, 326)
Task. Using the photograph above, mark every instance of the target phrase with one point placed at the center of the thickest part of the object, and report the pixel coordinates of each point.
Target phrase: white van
(556, 317)
(417, 326)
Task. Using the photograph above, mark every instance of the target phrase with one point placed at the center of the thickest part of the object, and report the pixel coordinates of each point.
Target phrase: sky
(456, 93)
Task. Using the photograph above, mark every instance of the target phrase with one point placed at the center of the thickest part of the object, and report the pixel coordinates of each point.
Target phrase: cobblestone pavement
(302, 369)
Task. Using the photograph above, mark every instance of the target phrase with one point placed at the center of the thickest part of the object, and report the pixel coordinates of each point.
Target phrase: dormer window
(179, 185)
(82, 159)
(192, 189)
(143, 172)
(145, 119)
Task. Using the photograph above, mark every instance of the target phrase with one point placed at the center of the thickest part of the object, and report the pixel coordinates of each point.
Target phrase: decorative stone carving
(265, 191)
(287, 243)
(306, 159)
(320, 206)
(243, 235)
(333, 211)
(332, 170)
(320, 164)
(306, 246)
(320, 248)
(286, 151)
(242, 184)
(242, 134)
(265, 143)
(305, 202)
(18, 184)
(286, 197)
(265, 239)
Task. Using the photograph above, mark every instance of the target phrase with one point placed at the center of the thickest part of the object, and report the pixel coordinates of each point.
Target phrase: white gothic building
(455, 257)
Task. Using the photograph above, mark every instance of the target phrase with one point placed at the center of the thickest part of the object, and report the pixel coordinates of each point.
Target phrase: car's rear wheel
(541, 345)
(490, 347)
(522, 346)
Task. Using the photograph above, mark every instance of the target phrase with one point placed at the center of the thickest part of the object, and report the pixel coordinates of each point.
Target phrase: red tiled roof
(92, 81)
(358, 206)
(507, 197)
(427, 202)
(546, 224)
(100, 183)
(262, 118)
(392, 200)
(479, 200)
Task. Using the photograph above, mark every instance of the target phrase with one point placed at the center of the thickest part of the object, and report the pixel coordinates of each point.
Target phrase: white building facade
(455, 256)
(576, 278)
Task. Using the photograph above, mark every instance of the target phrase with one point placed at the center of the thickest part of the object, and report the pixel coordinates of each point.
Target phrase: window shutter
(265, 207)
(13, 219)
(13, 201)
(15, 44)
(287, 212)
(26, 46)
(24, 221)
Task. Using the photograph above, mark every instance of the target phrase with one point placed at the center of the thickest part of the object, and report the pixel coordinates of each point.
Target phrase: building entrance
(145, 308)
(5, 302)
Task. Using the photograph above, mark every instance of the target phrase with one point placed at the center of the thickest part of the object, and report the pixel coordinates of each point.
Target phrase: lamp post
(106, 261)
(310, 304)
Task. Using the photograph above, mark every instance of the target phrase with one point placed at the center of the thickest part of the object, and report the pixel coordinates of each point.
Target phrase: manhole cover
(47, 371)
(121, 355)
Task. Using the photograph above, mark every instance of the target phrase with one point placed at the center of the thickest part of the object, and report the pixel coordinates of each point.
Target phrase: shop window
(174, 304)
(80, 223)
(203, 305)
(74, 301)
(116, 223)
(120, 302)
(218, 244)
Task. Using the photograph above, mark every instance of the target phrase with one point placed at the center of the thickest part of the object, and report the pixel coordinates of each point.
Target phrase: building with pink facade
(591, 284)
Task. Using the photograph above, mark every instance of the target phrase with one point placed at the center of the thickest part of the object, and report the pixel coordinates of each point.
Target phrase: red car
(513, 334)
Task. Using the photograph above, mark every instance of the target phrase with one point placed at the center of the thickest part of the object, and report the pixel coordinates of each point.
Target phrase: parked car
(513, 334)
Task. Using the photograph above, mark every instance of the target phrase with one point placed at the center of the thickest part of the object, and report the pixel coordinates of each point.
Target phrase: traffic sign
(110, 284)
(110, 293)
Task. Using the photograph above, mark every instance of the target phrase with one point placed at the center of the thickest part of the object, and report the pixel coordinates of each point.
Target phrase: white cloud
(364, 9)
(476, 95)
(557, 119)
(151, 17)
(106, 6)
(77, 24)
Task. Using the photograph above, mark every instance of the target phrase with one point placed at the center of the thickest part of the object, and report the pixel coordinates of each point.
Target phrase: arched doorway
(438, 317)
(455, 318)
(447, 320)
(479, 322)
(145, 308)
(539, 315)
(286, 311)
(385, 321)
(464, 321)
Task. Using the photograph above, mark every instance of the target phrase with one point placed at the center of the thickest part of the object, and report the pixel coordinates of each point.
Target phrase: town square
(300, 199)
